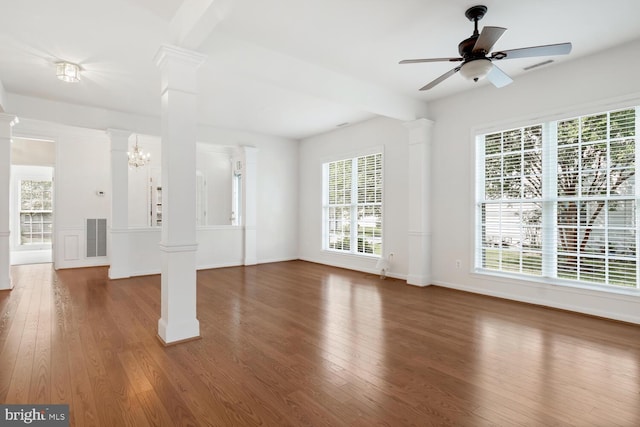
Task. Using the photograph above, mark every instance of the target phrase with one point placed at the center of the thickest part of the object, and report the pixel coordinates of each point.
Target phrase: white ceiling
(291, 68)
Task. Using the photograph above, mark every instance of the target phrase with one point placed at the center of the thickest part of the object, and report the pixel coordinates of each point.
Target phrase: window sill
(568, 285)
(351, 254)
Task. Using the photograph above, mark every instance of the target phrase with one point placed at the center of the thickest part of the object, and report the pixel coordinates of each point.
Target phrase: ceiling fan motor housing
(465, 48)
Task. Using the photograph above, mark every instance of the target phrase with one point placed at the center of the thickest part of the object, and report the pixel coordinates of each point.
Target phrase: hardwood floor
(297, 344)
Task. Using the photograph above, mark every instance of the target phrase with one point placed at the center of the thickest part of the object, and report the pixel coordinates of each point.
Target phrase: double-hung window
(36, 213)
(559, 200)
(353, 205)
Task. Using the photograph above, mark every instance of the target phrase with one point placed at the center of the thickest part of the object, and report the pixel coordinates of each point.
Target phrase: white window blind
(36, 214)
(558, 200)
(353, 205)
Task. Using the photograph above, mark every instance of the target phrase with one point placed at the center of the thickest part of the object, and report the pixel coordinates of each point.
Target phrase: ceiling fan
(475, 57)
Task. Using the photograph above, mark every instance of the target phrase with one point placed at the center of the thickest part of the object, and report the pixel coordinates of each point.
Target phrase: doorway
(31, 214)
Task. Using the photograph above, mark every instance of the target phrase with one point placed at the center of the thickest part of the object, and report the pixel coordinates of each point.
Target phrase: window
(558, 200)
(35, 212)
(353, 205)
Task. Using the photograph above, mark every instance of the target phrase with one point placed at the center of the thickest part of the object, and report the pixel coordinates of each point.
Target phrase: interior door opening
(32, 207)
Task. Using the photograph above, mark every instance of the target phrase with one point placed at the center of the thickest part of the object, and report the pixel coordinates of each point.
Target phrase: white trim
(351, 267)
(188, 56)
(547, 302)
(560, 113)
(548, 200)
(352, 154)
(415, 233)
(603, 291)
(353, 205)
(180, 247)
(274, 260)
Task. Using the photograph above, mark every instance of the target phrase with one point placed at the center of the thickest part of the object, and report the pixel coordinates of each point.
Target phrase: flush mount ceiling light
(68, 72)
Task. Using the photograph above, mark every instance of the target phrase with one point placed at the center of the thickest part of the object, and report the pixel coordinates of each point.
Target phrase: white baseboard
(593, 311)
(347, 266)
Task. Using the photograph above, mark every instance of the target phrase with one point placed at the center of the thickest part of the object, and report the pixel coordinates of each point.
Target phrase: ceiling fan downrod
(475, 13)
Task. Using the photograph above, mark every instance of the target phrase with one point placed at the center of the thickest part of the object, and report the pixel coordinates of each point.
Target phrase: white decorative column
(419, 202)
(119, 231)
(249, 205)
(6, 122)
(178, 245)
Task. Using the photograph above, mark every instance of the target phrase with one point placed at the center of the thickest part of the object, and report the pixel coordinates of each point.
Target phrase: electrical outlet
(458, 264)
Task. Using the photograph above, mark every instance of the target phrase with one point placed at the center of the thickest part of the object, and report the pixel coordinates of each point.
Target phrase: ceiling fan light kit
(476, 69)
(477, 63)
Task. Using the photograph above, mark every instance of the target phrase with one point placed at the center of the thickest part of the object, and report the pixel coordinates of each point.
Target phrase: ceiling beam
(240, 58)
(195, 19)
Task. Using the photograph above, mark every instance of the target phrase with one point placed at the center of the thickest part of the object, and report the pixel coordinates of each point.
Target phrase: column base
(418, 281)
(116, 274)
(420, 258)
(5, 262)
(178, 319)
(178, 332)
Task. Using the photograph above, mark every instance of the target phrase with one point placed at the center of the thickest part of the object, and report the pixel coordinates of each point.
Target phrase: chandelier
(138, 158)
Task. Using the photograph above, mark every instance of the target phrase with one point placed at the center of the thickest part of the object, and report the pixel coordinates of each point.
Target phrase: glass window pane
(568, 132)
(533, 137)
(593, 228)
(354, 200)
(594, 128)
(512, 141)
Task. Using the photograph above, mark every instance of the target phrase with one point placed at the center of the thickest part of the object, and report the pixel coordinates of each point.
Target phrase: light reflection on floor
(545, 367)
(354, 336)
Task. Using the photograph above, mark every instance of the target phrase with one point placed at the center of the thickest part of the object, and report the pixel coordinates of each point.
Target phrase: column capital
(419, 123)
(9, 119)
(118, 133)
(419, 130)
(119, 139)
(250, 154)
(178, 68)
(186, 56)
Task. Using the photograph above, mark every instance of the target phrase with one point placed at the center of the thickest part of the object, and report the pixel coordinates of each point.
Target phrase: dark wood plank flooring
(298, 344)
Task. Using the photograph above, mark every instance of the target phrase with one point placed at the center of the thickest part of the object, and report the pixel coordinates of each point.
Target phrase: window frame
(549, 214)
(353, 205)
(38, 245)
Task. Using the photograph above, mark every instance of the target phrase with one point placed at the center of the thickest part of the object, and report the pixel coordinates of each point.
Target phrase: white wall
(214, 162)
(82, 170)
(343, 143)
(83, 167)
(277, 182)
(32, 152)
(580, 86)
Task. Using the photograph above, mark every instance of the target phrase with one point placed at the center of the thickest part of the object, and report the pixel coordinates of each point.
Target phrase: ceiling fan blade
(415, 61)
(498, 77)
(488, 37)
(440, 79)
(528, 52)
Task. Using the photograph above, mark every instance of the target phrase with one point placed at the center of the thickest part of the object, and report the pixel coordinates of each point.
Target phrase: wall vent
(96, 237)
